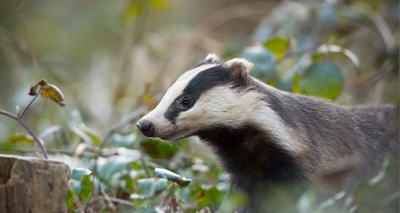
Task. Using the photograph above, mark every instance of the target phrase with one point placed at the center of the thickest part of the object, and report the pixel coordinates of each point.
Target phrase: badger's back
(351, 139)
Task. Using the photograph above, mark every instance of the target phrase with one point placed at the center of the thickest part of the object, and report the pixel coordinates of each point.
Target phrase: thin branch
(134, 115)
(26, 108)
(120, 201)
(28, 129)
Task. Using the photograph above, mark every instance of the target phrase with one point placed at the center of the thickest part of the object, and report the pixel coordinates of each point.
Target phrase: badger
(265, 137)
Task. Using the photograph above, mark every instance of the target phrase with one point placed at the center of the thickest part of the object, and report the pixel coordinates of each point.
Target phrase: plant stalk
(22, 122)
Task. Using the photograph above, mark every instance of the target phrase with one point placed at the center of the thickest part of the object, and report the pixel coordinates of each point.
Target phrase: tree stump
(30, 184)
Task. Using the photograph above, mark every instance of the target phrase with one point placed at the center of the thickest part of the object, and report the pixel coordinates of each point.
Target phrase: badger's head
(210, 94)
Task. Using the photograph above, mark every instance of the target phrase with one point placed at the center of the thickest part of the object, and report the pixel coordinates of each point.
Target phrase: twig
(134, 115)
(120, 201)
(387, 66)
(108, 200)
(26, 108)
(28, 129)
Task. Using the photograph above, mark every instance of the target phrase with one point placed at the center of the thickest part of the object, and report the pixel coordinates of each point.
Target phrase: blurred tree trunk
(30, 184)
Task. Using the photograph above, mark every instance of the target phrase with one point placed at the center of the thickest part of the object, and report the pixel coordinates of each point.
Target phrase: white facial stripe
(178, 87)
(164, 126)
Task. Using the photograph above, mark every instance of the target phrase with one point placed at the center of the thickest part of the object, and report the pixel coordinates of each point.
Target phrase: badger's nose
(146, 127)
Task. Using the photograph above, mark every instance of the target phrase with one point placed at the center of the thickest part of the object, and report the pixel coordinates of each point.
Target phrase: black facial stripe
(205, 80)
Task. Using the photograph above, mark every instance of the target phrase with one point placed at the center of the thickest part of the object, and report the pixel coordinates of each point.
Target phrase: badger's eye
(186, 102)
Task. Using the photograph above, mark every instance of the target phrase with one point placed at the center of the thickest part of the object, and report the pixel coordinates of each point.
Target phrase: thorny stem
(22, 122)
(26, 108)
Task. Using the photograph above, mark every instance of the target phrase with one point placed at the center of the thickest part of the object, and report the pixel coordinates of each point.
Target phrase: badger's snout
(146, 127)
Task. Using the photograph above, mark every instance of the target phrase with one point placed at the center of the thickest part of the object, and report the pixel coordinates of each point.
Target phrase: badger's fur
(265, 137)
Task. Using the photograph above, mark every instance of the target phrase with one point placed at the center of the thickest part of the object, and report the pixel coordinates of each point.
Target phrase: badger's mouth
(174, 136)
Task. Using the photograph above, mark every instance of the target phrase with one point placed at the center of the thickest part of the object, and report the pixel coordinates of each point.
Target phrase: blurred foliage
(111, 57)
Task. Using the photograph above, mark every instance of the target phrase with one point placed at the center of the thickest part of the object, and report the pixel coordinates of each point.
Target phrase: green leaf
(82, 135)
(278, 46)
(151, 185)
(70, 199)
(296, 83)
(322, 79)
(159, 149)
(88, 135)
(50, 130)
(163, 173)
(78, 173)
(130, 153)
(264, 62)
(52, 92)
(124, 140)
(85, 192)
(113, 165)
(216, 195)
(203, 200)
(316, 57)
(96, 138)
(22, 138)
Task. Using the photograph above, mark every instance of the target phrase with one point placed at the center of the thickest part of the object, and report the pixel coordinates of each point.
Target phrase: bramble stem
(22, 122)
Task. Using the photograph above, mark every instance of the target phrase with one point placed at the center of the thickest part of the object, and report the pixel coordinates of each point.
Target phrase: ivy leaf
(52, 92)
(322, 79)
(124, 140)
(86, 189)
(278, 46)
(163, 173)
(151, 185)
(113, 165)
(78, 173)
(264, 63)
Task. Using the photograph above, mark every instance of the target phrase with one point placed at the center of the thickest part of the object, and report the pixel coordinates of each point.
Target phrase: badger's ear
(239, 69)
(211, 58)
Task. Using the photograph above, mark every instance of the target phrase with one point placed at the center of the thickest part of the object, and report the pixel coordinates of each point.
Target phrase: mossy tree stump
(30, 184)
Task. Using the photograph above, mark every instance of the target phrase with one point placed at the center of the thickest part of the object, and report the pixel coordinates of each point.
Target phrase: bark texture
(30, 184)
